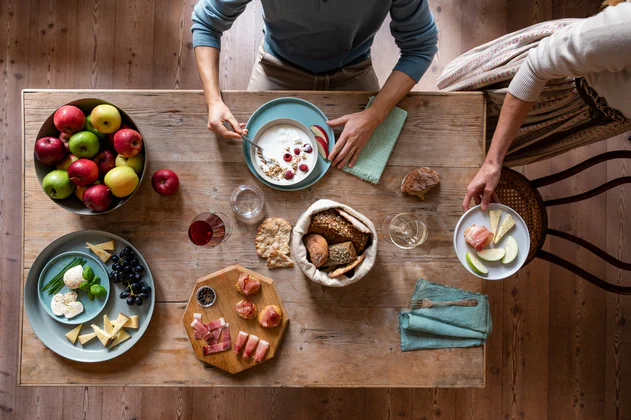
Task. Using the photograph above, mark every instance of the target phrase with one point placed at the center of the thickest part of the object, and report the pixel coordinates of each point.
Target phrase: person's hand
(482, 186)
(358, 128)
(218, 114)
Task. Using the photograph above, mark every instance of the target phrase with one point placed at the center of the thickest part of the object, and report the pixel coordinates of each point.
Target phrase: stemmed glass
(210, 229)
(405, 230)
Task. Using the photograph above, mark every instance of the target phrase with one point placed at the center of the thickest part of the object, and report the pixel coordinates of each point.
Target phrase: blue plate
(91, 308)
(52, 333)
(296, 109)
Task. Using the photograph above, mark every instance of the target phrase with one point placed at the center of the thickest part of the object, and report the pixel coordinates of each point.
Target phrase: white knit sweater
(597, 48)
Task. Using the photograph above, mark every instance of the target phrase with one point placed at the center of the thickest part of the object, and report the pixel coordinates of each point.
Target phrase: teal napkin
(447, 326)
(374, 156)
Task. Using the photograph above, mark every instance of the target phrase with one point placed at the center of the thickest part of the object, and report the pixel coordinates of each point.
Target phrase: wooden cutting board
(223, 282)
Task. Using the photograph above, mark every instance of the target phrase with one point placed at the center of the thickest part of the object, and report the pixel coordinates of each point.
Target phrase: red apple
(165, 182)
(83, 172)
(97, 197)
(65, 138)
(50, 150)
(106, 161)
(69, 119)
(111, 135)
(128, 142)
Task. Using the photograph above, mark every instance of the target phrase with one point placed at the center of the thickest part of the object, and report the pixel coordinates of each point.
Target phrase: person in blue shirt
(319, 45)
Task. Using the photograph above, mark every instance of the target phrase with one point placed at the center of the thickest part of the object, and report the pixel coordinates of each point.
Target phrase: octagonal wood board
(223, 282)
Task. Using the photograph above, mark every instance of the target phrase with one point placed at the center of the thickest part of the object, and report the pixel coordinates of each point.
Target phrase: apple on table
(83, 172)
(105, 118)
(165, 182)
(57, 184)
(128, 142)
(97, 197)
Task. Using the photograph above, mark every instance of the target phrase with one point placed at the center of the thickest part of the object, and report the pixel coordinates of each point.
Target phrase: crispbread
(277, 259)
(347, 268)
(354, 221)
(273, 233)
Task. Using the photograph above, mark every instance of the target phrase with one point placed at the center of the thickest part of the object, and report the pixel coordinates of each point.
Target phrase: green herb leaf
(84, 286)
(102, 291)
(97, 280)
(94, 289)
(88, 274)
(90, 295)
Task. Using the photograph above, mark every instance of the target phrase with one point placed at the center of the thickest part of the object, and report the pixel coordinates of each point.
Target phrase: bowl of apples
(90, 157)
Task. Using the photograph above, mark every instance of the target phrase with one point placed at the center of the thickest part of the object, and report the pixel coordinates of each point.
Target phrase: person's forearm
(207, 59)
(513, 114)
(396, 87)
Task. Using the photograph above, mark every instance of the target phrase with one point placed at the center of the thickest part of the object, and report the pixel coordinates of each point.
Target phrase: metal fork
(426, 303)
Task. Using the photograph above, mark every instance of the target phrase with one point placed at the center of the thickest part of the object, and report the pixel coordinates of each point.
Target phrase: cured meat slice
(225, 333)
(241, 339)
(478, 237)
(213, 336)
(195, 332)
(249, 346)
(246, 309)
(247, 285)
(259, 354)
(218, 323)
(215, 348)
(200, 329)
(270, 316)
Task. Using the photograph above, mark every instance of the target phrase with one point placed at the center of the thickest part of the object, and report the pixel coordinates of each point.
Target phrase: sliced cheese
(101, 335)
(507, 225)
(495, 216)
(132, 322)
(86, 337)
(101, 253)
(107, 246)
(72, 335)
(107, 325)
(120, 337)
(120, 321)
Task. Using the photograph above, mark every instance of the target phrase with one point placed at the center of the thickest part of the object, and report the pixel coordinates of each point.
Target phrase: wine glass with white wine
(405, 230)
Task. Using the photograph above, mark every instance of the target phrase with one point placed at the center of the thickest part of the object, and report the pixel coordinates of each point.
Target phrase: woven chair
(521, 194)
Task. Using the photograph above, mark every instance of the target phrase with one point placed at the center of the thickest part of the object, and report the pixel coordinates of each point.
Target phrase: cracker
(273, 233)
(354, 221)
(277, 259)
(348, 268)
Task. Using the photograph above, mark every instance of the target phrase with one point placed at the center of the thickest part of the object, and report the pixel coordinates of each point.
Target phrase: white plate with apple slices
(500, 259)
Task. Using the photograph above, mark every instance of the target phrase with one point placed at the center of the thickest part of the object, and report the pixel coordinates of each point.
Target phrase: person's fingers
(233, 122)
(494, 198)
(347, 157)
(355, 156)
(342, 154)
(477, 200)
(338, 121)
(339, 144)
(466, 202)
(219, 129)
(486, 197)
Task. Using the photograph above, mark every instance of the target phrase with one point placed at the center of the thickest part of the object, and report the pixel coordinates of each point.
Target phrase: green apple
(89, 127)
(57, 184)
(136, 162)
(84, 144)
(491, 254)
(475, 264)
(105, 118)
(122, 180)
(64, 164)
(511, 250)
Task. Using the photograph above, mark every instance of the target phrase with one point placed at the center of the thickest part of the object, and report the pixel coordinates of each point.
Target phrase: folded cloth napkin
(374, 156)
(444, 326)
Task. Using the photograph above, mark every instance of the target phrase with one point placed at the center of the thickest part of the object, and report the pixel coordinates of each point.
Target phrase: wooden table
(344, 337)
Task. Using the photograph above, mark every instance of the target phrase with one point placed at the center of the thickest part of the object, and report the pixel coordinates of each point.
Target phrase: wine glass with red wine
(210, 229)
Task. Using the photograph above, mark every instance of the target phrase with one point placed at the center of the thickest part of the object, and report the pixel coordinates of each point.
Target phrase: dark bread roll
(419, 182)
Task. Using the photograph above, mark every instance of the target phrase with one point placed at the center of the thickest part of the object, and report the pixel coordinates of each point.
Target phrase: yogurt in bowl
(290, 152)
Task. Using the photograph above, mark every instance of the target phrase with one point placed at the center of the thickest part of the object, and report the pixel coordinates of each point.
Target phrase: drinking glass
(405, 230)
(247, 201)
(210, 229)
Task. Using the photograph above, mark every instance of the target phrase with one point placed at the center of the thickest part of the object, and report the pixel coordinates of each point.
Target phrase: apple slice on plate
(475, 264)
(322, 139)
(492, 254)
(511, 250)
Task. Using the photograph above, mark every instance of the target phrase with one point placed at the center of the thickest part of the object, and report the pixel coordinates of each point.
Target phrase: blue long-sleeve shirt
(325, 35)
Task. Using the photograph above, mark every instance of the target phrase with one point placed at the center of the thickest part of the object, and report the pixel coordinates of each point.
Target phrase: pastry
(273, 233)
(318, 248)
(419, 182)
(336, 229)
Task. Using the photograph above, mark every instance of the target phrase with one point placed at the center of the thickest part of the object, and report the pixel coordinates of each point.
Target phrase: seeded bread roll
(335, 229)
(340, 254)
(318, 248)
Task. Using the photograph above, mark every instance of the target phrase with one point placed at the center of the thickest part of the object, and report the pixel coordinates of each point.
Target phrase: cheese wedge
(86, 337)
(495, 216)
(107, 246)
(120, 337)
(120, 321)
(107, 325)
(101, 335)
(72, 335)
(507, 225)
(132, 322)
(101, 253)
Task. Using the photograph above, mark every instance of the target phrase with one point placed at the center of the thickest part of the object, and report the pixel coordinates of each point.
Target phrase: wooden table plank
(341, 331)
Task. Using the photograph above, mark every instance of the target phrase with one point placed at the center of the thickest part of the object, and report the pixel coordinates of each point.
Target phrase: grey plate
(52, 333)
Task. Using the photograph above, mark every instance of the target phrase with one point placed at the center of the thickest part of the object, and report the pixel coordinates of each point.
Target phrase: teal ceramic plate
(52, 333)
(296, 109)
(91, 308)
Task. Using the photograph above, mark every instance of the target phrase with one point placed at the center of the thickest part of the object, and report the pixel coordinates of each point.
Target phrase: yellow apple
(136, 162)
(64, 164)
(105, 118)
(122, 180)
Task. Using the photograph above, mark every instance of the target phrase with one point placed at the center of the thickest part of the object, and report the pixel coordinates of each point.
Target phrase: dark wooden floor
(560, 347)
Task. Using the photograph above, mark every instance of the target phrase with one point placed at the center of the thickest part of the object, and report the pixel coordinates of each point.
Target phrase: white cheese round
(58, 305)
(70, 297)
(73, 309)
(74, 277)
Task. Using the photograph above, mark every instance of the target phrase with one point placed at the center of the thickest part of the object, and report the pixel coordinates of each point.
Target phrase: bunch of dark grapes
(128, 271)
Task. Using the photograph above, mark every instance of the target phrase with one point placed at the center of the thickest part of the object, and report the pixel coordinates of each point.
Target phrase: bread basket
(300, 251)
